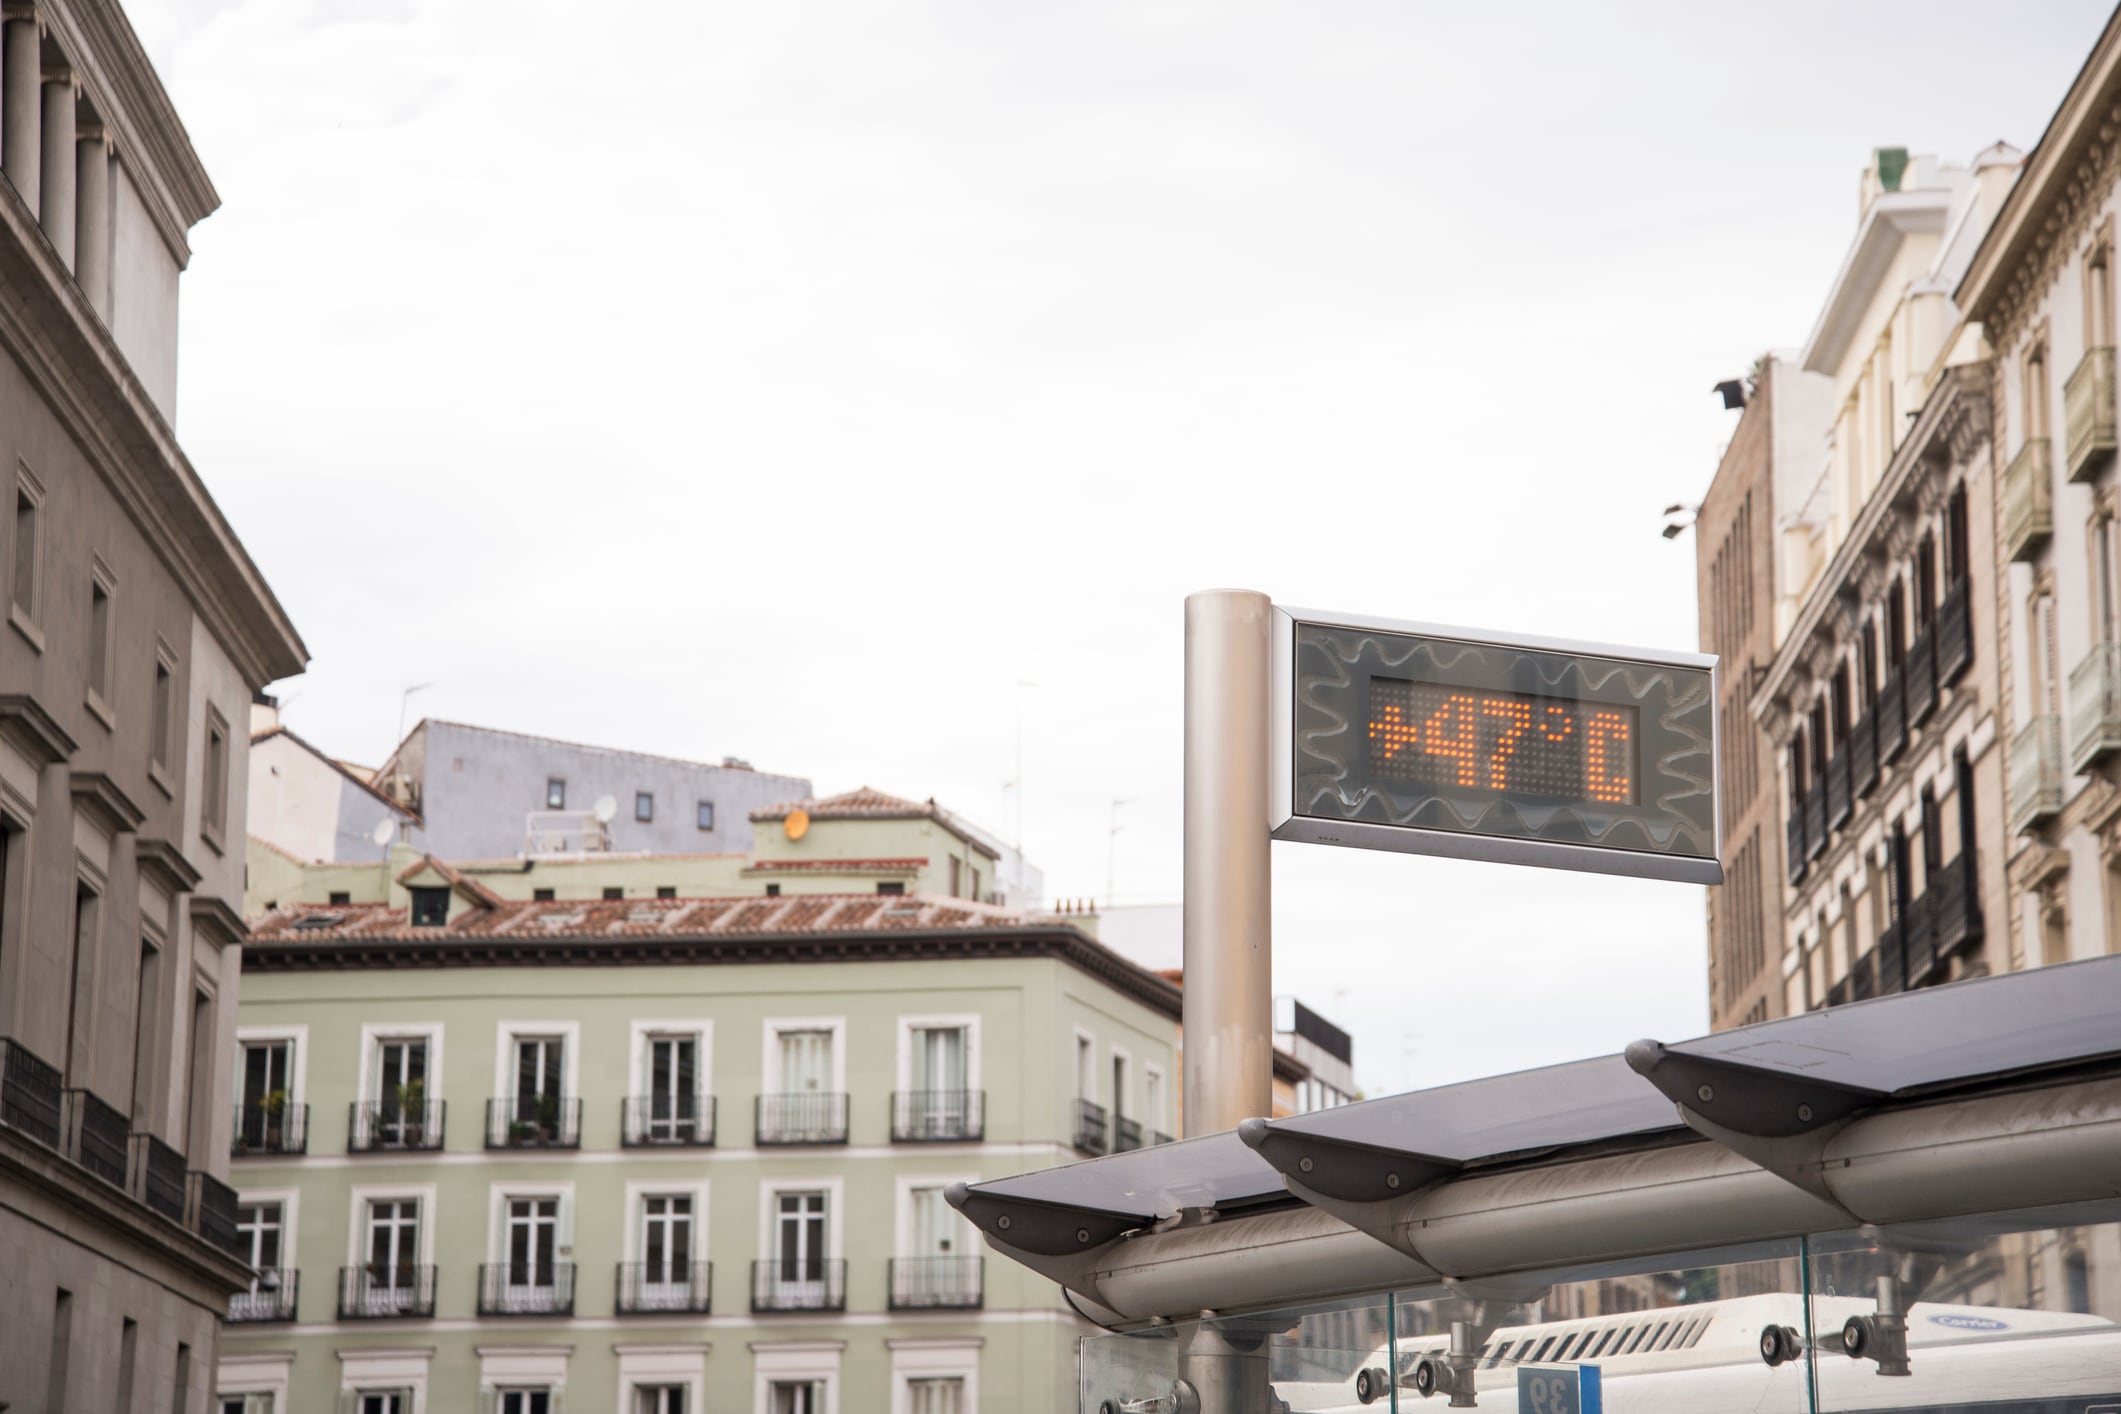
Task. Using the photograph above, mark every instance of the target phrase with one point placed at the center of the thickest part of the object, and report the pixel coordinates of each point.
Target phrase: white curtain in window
(936, 1396)
(939, 1058)
(932, 1224)
(806, 1062)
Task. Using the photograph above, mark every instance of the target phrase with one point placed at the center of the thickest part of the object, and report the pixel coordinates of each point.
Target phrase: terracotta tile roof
(471, 888)
(795, 914)
(873, 866)
(867, 803)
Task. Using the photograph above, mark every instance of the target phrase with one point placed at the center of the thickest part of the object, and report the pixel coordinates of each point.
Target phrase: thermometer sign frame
(1422, 739)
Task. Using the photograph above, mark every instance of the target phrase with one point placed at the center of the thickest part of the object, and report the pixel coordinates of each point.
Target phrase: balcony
(30, 1099)
(1891, 712)
(1920, 677)
(667, 1122)
(1838, 994)
(533, 1122)
(270, 1129)
(1919, 925)
(668, 1288)
(2028, 501)
(2095, 706)
(806, 1117)
(937, 1283)
(1091, 1135)
(97, 1137)
(158, 1176)
(272, 1299)
(1863, 757)
(2036, 773)
(210, 1206)
(937, 1116)
(1955, 633)
(2088, 415)
(526, 1288)
(386, 1126)
(1838, 804)
(798, 1284)
(1955, 911)
(378, 1291)
(1794, 855)
(1126, 1134)
(1814, 823)
(1862, 980)
(1890, 958)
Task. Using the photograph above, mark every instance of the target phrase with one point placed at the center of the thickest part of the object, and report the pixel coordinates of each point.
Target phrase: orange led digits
(1537, 748)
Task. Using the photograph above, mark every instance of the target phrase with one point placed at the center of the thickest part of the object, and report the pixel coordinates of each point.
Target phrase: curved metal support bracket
(1056, 1240)
(1366, 1186)
(1780, 1121)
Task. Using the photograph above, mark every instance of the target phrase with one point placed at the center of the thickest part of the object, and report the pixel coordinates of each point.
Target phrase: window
(891, 890)
(957, 883)
(389, 1278)
(940, 1395)
(666, 1251)
(797, 1397)
(1085, 1068)
(213, 805)
(143, 1017)
(643, 806)
(399, 1112)
(938, 1098)
(705, 817)
(430, 907)
(658, 1399)
(86, 908)
(268, 1083)
(2106, 575)
(99, 639)
(2099, 298)
(666, 891)
(613, 891)
(1957, 556)
(163, 708)
(525, 1401)
(799, 1240)
(773, 891)
(2035, 389)
(541, 895)
(260, 1232)
(28, 547)
(339, 897)
(555, 793)
(532, 1240)
(384, 1401)
(672, 1072)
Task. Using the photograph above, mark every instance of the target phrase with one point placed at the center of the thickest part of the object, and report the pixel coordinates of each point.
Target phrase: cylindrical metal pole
(1229, 1005)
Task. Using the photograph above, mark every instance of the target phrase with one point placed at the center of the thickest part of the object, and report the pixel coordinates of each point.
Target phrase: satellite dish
(797, 824)
(385, 827)
(607, 809)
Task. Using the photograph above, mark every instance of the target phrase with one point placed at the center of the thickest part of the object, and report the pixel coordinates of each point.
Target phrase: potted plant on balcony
(548, 1118)
(412, 1113)
(273, 1107)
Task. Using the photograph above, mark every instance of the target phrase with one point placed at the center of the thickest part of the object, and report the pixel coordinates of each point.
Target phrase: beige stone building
(137, 631)
(2042, 286)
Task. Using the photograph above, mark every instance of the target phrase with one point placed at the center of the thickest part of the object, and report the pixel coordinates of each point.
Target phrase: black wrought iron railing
(97, 1137)
(1793, 855)
(212, 1213)
(1838, 994)
(646, 1288)
(667, 1121)
(1891, 713)
(272, 1297)
(1126, 1134)
(1863, 982)
(804, 1117)
(533, 1122)
(1921, 679)
(1863, 756)
(798, 1284)
(937, 1283)
(377, 1291)
(1918, 926)
(383, 1126)
(937, 1116)
(1839, 802)
(1890, 957)
(526, 1288)
(1956, 890)
(1092, 1135)
(29, 1093)
(1955, 633)
(281, 1128)
(158, 1176)
(1814, 822)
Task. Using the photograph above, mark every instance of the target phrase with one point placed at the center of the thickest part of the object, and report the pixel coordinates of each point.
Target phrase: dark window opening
(541, 895)
(430, 908)
(706, 815)
(555, 793)
(643, 806)
(339, 896)
(666, 891)
(612, 892)
(773, 891)
(892, 888)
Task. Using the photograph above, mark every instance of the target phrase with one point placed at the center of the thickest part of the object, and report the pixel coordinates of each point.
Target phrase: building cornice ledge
(1892, 218)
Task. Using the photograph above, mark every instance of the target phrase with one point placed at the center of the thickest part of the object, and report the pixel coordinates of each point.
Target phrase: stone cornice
(488, 950)
(1885, 520)
(137, 111)
(213, 916)
(163, 864)
(34, 731)
(100, 798)
(68, 354)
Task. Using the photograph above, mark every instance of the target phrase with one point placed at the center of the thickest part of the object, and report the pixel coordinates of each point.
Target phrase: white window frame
(640, 1033)
(297, 1074)
(498, 1195)
(290, 1201)
(833, 1187)
(358, 1199)
(934, 1357)
(967, 1021)
(506, 1033)
(1153, 1114)
(772, 1028)
(796, 1360)
(372, 1037)
(268, 1373)
(902, 1212)
(523, 1367)
(1118, 1110)
(679, 1364)
(1075, 1066)
(380, 1368)
(638, 1190)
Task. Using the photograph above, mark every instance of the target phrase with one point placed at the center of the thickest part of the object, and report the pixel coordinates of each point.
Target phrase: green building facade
(665, 1155)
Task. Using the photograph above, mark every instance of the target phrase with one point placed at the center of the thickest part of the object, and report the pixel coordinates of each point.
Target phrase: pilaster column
(92, 219)
(56, 210)
(21, 78)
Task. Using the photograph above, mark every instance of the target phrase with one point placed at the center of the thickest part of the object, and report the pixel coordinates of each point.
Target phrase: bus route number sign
(1401, 736)
(1558, 1389)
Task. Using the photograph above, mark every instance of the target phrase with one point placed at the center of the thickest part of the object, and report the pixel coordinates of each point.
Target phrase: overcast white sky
(792, 380)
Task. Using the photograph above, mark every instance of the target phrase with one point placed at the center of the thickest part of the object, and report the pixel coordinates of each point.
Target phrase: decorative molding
(34, 732)
(99, 797)
(163, 864)
(223, 926)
